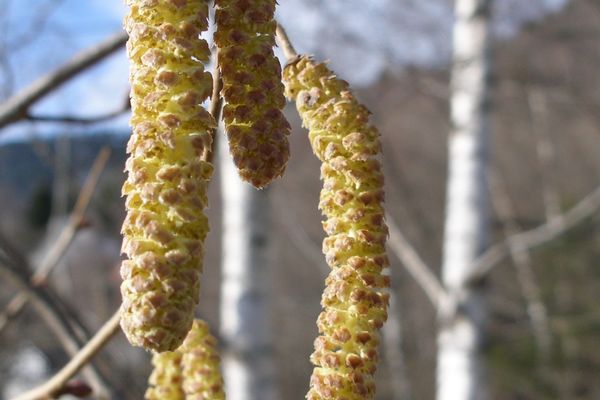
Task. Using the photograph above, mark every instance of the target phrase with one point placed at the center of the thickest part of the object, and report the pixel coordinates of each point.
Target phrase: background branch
(14, 266)
(529, 239)
(58, 381)
(72, 119)
(17, 107)
(415, 265)
(63, 241)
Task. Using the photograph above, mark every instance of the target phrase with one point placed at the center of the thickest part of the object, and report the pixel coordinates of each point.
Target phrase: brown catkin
(191, 372)
(165, 227)
(255, 125)
(354, 306)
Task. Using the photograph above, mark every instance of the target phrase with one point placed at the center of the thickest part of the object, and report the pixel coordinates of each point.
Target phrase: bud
(255, 125)
(354, 305)
(165, 226)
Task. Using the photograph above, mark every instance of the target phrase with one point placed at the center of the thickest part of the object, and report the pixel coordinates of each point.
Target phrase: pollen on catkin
(165, 226)
(191, 372)
(354, 305)
(254, 122)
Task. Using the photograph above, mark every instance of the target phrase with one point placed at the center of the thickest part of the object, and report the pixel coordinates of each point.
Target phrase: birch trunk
(461, 371)
(248, 363)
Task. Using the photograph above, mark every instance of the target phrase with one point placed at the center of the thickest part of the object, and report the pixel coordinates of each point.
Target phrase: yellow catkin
(255, 125)
(165, 227)
(166, 380)
(202, 379)
(354, 307)
(191, 372)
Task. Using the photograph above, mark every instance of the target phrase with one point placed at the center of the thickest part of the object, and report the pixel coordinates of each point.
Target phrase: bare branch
(72, 119)
(15, 267)
(285, 43)
(64, 240)
(216, 106)
(58, 381)
(535, 237)
(415, 265)
(526, 278)
(17, 107)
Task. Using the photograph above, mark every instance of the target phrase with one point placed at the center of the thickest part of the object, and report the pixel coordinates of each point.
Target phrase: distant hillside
(27, 166)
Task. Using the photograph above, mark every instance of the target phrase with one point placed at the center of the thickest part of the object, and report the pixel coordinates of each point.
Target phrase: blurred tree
(461, 371)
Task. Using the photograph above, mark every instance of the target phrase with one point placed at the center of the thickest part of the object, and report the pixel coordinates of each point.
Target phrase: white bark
(461, 371)
(248, 363)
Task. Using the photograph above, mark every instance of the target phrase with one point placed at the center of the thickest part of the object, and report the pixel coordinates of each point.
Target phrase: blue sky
(361, 38)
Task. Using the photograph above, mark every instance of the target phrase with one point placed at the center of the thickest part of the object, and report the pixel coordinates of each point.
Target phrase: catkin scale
(191, 372)
(165, 226)
(256, 128)
(354, 305)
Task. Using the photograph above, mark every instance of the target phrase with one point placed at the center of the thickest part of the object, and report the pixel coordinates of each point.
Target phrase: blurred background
(541, 339)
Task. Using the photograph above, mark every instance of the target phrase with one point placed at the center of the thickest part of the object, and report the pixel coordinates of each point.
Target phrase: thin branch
(14, 266)
(299, 237)
(216, 106)
(64, 240)
(72, 119)
(535, 237)
(415, 265)
(58, 381)
(526, 278)
(17, 107)
(285, 43)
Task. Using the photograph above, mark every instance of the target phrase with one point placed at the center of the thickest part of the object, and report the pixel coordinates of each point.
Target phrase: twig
(17, 107)
(216, 106)
(15, 267)
(535, 237)
(64, 240)
(298, 235)
(58, 381)
(526, 278)
(546, 154)
(415, 265)
(285, 43)
(72, 119)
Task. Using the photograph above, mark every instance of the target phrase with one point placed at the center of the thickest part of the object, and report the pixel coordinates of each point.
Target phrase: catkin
(191, 372)
(354, 307)
(165, 226)
(202, 379)
(254, 122)
(166, 380)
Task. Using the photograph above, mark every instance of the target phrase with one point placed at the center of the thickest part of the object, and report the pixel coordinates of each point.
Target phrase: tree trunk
(461, 371)
(248, 363)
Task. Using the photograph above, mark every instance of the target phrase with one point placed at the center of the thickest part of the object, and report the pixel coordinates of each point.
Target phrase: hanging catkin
(165, 227)
(255, 125)
(191, 372)
(354, 307)
(202, 379)
(166, 380)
